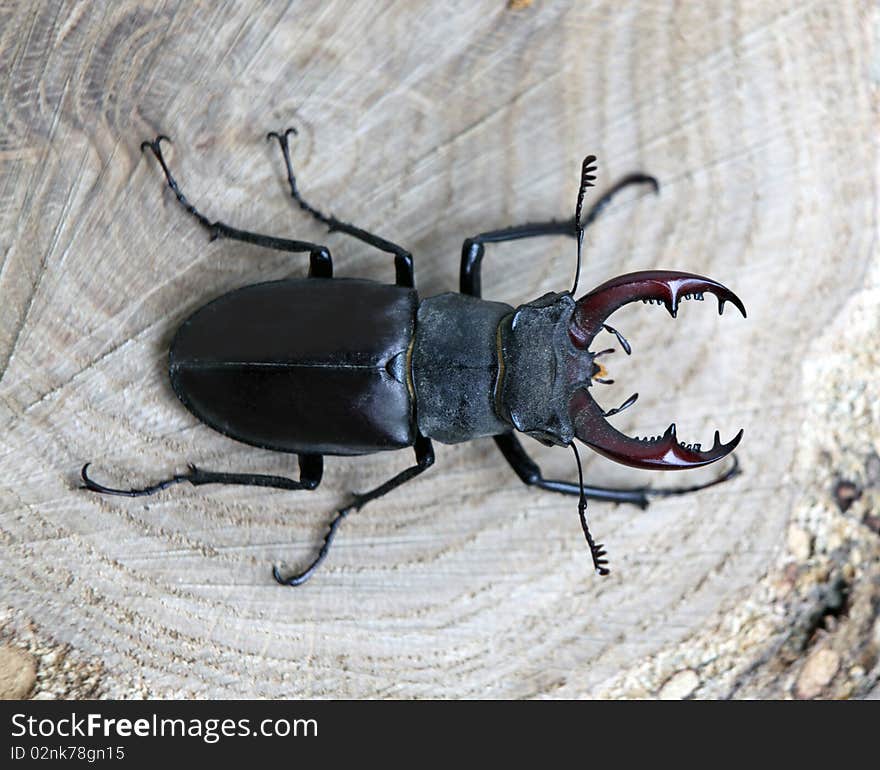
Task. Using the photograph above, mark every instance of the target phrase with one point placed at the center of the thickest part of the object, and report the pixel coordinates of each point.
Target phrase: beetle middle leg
(424, 459)
(403, 262)
(311, 469)
(530, 474)
(320, 262)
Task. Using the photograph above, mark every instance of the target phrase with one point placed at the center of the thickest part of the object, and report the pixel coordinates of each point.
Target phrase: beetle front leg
(424, 460)
(530, 474)
(473, 249)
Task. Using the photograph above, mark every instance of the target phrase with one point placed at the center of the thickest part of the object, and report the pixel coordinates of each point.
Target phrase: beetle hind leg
(320, 262)
(311, 468)
(403, 261)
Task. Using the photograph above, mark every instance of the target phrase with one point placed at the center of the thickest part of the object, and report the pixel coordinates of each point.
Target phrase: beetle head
(550, 368)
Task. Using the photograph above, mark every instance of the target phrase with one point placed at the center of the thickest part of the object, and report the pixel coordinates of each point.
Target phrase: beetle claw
(156, 144)
(282, 137)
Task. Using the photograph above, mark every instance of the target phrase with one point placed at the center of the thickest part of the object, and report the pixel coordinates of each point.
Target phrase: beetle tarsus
(358, 502)
(470, 280)
(155, 144)
(301, 577)
(93, 486)
(732, 472)
(530, 474)
(311, 470)
(283, 135)
(156, 148)
(403, 262)
(607, 197)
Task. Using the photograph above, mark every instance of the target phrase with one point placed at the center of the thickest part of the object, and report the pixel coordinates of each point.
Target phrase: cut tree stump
(428, 123)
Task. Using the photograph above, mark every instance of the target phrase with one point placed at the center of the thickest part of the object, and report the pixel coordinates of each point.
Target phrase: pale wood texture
(427, 122)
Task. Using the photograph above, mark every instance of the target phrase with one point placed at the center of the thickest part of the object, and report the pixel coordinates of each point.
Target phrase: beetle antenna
(587, 179)
(597, 550)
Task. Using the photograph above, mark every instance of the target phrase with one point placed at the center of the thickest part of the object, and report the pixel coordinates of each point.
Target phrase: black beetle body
(311, 366)
(383, 366)
(339, 366)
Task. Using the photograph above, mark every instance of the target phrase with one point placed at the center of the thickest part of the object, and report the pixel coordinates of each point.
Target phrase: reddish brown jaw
(667, 286)
(663, 452)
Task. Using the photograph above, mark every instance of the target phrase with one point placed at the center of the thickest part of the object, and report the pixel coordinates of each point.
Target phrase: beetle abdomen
(304, 365)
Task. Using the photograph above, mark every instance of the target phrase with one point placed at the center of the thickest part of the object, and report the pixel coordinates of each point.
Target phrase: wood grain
(427, 122)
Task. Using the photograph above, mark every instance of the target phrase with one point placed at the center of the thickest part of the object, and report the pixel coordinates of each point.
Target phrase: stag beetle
(338, 366)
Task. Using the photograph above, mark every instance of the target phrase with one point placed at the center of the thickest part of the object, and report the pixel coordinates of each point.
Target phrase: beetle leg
(608, 196)
(321, 264)
(424, 460)
(311, 468)
(473, 248)
(530, 473)
(403, 262)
